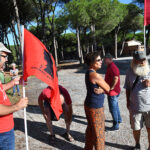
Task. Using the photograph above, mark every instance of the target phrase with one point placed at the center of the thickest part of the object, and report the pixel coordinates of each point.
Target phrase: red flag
(40, 63)
(146, 12)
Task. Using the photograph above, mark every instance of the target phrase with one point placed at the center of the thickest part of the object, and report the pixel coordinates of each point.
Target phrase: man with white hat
(137, 85)
(7, 139)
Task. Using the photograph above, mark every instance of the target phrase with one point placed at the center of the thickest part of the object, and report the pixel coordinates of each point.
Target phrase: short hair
(13, 64)
(91, 57)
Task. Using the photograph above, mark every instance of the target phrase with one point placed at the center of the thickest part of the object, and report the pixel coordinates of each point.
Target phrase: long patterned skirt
(95, 134)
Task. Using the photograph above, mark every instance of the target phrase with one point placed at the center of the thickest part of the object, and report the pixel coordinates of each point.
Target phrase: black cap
(139, 55)
(108, 55)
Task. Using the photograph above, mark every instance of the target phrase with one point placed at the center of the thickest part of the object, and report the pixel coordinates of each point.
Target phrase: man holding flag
(7, 138)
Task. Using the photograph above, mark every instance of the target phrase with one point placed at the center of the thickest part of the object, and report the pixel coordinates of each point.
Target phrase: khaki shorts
(137, 120)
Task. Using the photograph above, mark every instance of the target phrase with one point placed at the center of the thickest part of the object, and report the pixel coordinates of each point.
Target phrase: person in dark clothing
(94, 110)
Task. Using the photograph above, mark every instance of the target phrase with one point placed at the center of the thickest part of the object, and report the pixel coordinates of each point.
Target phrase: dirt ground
(72, 78)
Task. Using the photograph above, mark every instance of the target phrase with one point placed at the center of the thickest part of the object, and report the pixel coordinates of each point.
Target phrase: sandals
(68, 137)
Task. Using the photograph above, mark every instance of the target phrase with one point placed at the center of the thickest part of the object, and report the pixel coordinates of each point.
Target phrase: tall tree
(118, 15)
(78, 18)
(18, 25)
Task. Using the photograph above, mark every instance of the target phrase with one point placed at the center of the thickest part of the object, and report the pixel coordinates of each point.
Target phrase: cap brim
(3, 48)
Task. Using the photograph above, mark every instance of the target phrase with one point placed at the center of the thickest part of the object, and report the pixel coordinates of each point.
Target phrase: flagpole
(24, 93)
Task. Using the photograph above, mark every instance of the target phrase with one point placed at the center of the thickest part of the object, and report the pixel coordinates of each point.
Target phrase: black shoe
(120, 121)
(114, 128)
(137, 147)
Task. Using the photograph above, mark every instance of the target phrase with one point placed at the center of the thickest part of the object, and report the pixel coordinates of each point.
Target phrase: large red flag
(146, 12)
(40, 63)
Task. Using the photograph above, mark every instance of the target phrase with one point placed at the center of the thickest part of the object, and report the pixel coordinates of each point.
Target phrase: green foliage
(133, 20)
(77, 13)
(68, 41)
(97, 20)
(115, 16)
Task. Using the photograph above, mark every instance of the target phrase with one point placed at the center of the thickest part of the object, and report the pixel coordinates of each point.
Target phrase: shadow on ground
(38, 131)
(75, 118)
(119, 146)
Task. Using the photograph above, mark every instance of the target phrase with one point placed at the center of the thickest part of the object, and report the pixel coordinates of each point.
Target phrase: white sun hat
(3, 48)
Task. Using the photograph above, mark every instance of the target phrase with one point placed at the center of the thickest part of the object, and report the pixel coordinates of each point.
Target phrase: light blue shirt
(140, 95)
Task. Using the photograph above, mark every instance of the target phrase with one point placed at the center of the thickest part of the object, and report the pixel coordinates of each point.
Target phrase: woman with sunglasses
(96, 87)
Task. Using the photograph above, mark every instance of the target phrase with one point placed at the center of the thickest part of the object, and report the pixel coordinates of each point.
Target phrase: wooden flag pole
(24, 93)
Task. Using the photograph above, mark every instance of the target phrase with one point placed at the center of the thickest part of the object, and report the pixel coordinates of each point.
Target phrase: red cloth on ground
(6, 122)
(47, 93)
(112, 71)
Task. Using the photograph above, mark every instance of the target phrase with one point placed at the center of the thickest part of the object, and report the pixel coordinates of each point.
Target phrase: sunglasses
(6, 57)
(98, 60)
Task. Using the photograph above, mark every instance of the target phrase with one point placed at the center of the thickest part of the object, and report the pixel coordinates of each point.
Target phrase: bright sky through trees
(122, 1)
(125, 1)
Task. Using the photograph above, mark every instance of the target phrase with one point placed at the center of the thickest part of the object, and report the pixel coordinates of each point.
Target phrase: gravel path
(72, 78)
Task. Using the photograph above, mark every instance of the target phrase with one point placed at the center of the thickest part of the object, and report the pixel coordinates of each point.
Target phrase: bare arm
(114, 83)
(11, 74)
(5, 110)
(8, 85)
(128, 98)
(97, 79)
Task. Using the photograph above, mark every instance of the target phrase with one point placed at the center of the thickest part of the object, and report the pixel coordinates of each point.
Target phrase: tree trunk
(103, 50)
(116, 45)
(79, 46)
(6, 35)
(88, 48)
(15, 35)
(62, 52)
(42, 15)
(116, 41)
(94, 38)
(1, 33)
(55, 50)
(133, 35)
(92, 48)
(15, 40)
(18, 26)
(123, 44)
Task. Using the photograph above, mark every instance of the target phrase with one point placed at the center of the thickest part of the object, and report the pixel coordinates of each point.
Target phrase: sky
(125, 1)
(10, 35)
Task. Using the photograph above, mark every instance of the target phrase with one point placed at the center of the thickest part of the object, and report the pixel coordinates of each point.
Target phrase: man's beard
(139, 69)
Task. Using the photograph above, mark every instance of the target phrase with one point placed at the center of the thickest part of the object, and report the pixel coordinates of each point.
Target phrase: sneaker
(120, 121)
(114, 128)
(137, 147)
